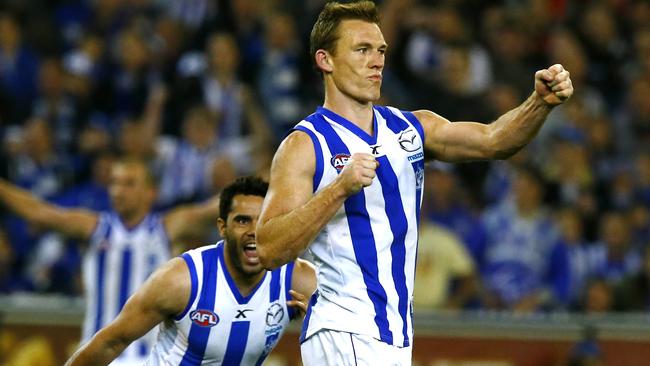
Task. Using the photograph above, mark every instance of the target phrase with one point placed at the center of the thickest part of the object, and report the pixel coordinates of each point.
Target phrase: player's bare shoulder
(170, 286)
(429, 118)
(295, 153)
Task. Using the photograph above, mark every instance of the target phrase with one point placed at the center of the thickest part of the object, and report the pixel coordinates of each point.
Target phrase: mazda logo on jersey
(274, 314)
(408, 140)
(204, 318)
(339, 161)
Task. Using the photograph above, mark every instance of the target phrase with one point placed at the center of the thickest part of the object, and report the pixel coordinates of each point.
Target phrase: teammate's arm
(464, 141)
(165, 294)
(78, 223)
(191, 220)
(303, 284)
(291, 215)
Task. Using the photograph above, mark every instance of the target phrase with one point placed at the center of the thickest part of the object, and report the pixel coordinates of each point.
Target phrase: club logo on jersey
(408, 140)
(339, 161)
(204, 318)
(274, 315)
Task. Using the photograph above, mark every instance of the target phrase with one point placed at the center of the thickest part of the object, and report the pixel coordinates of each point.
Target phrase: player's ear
(323, 61)
(221, 225)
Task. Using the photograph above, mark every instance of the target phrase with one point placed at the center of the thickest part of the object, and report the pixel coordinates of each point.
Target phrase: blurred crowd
(205, 90)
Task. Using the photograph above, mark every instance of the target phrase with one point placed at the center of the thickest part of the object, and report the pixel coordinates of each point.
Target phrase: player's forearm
(192, 220)
(282, 238)
(97, 352)
(516, 128)
(23, 203)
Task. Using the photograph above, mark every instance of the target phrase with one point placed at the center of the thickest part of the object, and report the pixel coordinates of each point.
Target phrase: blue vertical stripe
(318, 173)
(274, 288)
(237, 341)
(396, 124)
(125, 278)
(99, 312)
(288, 275)
(363, 241)
(143, 348)
(194, 285)
(305, 323)
(399, 226)
(101, 269)
(198, 335)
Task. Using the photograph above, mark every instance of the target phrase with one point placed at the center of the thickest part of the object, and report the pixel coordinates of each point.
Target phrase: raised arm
(78, 223)
(466, 141)
(191, 220)
(148, 307)
(292, 215)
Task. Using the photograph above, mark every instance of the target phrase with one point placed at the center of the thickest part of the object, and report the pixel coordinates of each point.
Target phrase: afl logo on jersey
(204, 318)
(339, 161)
(408, 140)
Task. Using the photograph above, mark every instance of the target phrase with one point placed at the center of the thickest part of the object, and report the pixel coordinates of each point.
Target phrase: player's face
(129, 189)
(239, 233)
(358, 60)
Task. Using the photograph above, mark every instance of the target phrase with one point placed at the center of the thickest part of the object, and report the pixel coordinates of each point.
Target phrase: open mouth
(250, 251)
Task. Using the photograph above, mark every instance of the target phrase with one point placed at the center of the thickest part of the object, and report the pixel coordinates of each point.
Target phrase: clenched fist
(553, 85)
(357, 173)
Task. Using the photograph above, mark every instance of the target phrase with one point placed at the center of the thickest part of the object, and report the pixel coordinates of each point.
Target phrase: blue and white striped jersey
(117, 262)
(219, 326)
(366, 254)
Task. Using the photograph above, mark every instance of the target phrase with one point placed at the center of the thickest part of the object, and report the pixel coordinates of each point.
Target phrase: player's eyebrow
(241, 216)
(383, 46)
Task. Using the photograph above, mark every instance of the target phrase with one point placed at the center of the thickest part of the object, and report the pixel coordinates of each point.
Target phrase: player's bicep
(454, 142)
(303, 279)
(291, 178)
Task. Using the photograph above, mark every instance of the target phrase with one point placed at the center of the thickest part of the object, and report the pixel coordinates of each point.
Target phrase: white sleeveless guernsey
(220, 326)
(366, 254)
(117, 262)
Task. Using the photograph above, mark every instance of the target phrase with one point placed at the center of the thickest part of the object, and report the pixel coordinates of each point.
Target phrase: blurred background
(543, 259)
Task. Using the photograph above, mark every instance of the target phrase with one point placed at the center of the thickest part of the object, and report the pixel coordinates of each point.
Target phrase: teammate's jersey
(219, 326)
(117, 262)
(366, 254)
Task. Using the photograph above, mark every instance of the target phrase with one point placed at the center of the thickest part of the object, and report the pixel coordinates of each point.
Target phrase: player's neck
(133, 219)
(247, 283)
(361, 114)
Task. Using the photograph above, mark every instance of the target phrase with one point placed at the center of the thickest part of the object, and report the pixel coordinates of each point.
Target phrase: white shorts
(334, 348)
